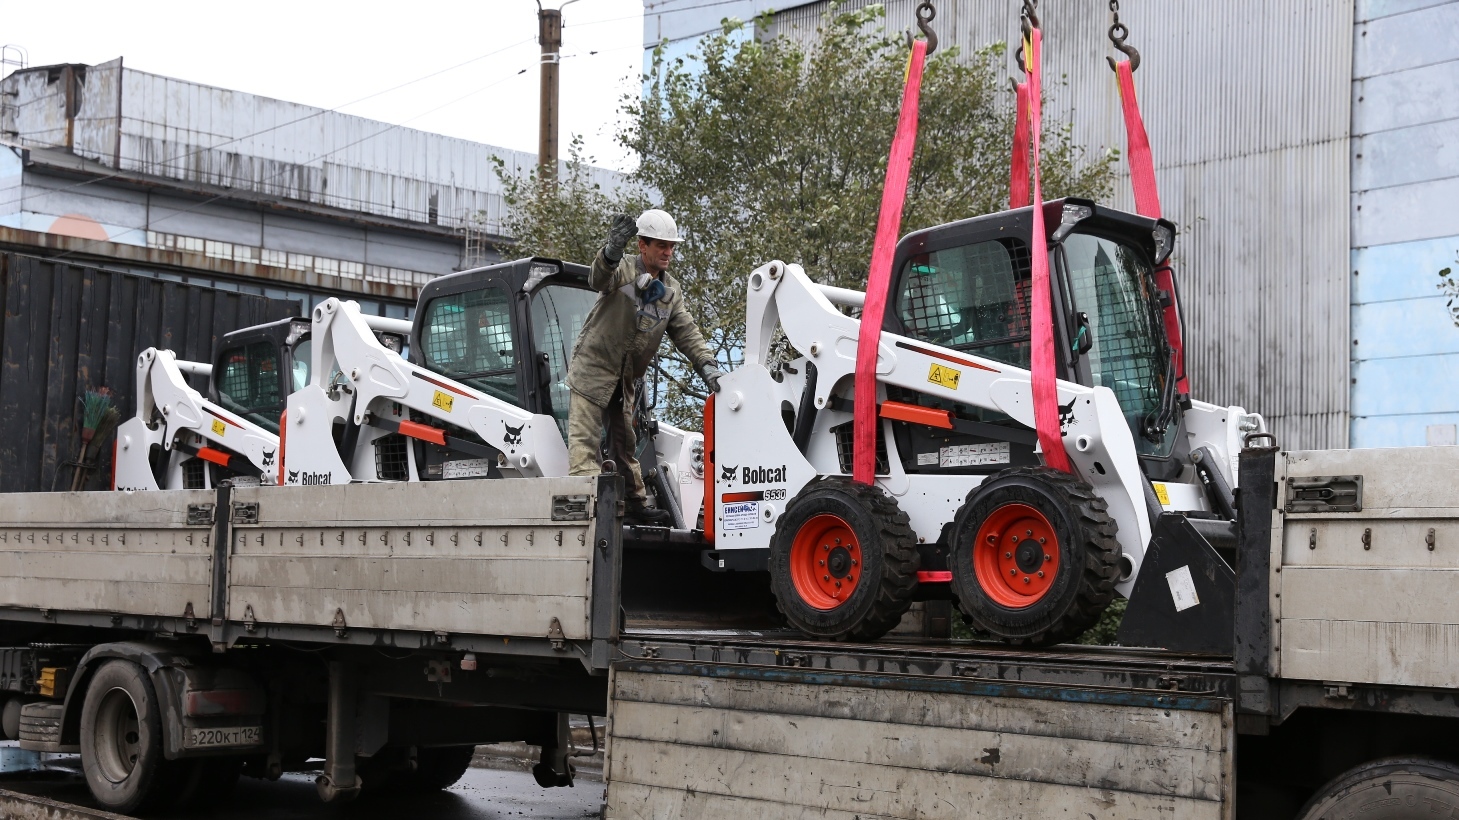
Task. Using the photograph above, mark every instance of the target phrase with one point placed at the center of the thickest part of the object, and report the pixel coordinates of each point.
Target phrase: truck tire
(1394, 788)
(1034, 557)
(121, 739)
(438, 767)
(843, 561)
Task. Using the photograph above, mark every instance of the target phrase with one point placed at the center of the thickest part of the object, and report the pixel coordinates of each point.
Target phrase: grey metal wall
(66, 329)
(1248, 104)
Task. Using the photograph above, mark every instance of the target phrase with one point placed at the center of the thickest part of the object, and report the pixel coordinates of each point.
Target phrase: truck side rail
(519, 567)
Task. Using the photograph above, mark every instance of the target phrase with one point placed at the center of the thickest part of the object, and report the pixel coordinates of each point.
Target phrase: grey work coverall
(619, 339)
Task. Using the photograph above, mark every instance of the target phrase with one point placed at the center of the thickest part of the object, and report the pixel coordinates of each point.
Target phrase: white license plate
(467, 468)
(229, 736)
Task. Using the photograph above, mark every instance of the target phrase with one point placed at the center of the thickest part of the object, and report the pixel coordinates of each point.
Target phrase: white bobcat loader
(482, 393)
(176, 433)
(962, 506)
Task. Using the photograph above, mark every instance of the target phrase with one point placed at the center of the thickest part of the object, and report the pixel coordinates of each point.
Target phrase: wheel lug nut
(825, 577)
(1041, 573)
(1007, 555)
(1015, 539)
(838, 585)
(854, 562)
(1013, 572)
(1048, 557)
(823, 562)
(1029, 533)
(1025, 579)
(1043, 540)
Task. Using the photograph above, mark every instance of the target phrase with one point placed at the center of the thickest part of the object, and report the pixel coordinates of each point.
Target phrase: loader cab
(256, 368)
(506, 329)
(967, 286)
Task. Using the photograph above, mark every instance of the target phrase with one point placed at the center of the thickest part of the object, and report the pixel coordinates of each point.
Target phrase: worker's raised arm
(609, 272)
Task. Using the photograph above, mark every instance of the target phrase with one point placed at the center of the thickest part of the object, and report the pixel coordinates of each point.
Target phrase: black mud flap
(1185, 596)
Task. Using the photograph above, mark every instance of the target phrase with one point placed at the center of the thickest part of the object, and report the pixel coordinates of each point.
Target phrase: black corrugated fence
(67, 329)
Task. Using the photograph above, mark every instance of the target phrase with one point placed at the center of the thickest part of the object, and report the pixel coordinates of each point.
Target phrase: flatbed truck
(189, 635)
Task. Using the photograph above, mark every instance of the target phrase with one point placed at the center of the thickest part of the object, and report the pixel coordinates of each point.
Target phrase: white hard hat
(656, 224)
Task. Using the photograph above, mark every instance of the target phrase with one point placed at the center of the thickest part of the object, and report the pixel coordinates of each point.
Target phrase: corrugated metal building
(1251, 106)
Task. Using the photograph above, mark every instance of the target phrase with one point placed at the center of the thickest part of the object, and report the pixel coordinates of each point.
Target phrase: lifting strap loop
(1041, 372)
(889, 224)
(1147, 203)
(1018, 176)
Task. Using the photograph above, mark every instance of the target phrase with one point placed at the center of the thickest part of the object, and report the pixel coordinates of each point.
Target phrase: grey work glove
(622, 230)
(711, 374)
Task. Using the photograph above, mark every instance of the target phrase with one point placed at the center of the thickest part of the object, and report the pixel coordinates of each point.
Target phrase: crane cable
(889, 224)
(1147, 192)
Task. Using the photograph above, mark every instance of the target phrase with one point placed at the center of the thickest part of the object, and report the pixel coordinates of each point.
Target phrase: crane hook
(1117, 34)
(926, 13)
(1029, 17)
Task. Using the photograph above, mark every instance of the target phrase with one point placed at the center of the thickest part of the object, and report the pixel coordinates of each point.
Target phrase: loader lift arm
(174, 422)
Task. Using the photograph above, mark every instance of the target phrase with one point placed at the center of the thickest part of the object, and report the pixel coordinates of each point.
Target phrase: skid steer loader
(962, 505)
(179, 439)
(482, 393)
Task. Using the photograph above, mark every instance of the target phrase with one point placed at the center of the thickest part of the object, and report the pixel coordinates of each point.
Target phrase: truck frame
(414, 619)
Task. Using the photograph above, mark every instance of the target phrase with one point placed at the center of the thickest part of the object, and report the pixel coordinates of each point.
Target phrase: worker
(639, 301)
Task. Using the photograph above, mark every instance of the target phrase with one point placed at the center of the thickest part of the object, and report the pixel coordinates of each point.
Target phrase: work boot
(637, 511)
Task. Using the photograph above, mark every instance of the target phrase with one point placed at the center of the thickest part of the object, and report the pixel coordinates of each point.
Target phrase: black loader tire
(884, 575)
(1084, 568)
(121, 740)
(1394, 788)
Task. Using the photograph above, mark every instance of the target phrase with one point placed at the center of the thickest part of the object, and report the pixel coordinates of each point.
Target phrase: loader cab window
(299, 370)
(972, 298)
(1113, 285)
(468, 337)
(557, 319)
(249, 383)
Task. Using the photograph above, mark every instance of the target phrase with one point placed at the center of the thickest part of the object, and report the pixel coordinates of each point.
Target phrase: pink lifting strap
(1147, 203)
(1041, 372)
(894, 196)
(1018, 172)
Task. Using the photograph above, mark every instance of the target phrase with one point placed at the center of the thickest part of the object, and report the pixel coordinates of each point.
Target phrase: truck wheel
(1034, 557)
(121, 739)
(438, 767)
(1394, 788)
(843, 561)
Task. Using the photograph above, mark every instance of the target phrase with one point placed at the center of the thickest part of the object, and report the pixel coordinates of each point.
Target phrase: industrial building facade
(1308, 150)
(167, 178)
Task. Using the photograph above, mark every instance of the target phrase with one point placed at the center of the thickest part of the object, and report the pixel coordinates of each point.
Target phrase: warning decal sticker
(443, 401)
(973, 455)
(743, 515)
(944, 376)
(219, 428)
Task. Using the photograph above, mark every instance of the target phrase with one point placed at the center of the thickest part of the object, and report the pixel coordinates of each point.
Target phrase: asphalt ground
(482, 794)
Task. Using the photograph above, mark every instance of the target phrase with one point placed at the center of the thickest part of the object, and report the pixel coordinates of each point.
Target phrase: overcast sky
(329, 54)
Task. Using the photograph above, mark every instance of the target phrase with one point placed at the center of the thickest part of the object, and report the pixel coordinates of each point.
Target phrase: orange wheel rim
(825, 561)
(1016, 556)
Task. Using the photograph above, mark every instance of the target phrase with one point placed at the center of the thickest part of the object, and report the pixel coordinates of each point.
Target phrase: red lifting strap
(893, 197)
(1018, 176)
(1041, 373)
(1147, 203)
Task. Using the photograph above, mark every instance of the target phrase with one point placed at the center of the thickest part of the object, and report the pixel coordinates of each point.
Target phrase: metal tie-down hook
(1117, 33)
(926, 13)
(1028, 20)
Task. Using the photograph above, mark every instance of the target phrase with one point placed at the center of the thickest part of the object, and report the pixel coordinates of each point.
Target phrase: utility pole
(549, 35)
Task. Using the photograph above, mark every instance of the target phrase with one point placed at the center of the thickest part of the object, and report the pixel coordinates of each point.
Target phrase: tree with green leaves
(771, 149)
(1449, 286)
